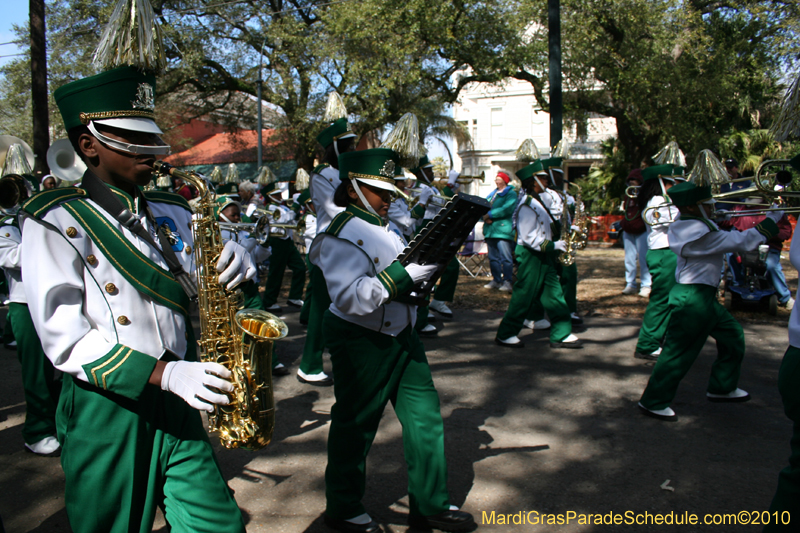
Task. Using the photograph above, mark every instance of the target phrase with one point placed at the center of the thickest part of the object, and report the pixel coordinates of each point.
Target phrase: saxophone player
(115, 321)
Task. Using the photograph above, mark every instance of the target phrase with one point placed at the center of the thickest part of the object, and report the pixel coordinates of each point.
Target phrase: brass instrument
(239, 339)
(657, 216)
(632, 191)
(14, 189)
(410, 200)
(575, 239)
(259, 230)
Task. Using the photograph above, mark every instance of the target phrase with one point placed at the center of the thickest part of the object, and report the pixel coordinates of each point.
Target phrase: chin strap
(226, 219)
(663, 189)
(703, 210)
(361, 197)
(127, 147)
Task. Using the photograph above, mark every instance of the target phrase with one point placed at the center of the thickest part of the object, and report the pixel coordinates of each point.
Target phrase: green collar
(365, 215)
(701, 219)
(124, 197)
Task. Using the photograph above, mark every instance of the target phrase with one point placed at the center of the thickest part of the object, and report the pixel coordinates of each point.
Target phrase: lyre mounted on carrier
(442, 238)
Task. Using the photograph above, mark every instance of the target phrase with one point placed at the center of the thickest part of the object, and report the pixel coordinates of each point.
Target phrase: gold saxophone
(238, 339)
(574, 239)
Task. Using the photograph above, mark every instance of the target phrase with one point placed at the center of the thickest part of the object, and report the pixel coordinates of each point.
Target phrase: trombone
(632, 191)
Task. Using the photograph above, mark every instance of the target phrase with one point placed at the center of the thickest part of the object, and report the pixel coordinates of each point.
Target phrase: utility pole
(259, 81)
(554, 48)
(41, 121)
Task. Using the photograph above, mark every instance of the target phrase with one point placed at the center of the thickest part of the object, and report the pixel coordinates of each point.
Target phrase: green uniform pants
(369, 370)
(787, 497)
(252, 300)
(123, 458)
(446, 289)
(568, 278)
(537, 281)
(311, 363)
(284, 254)
(695, 314)
(38, 377)
(662, 264)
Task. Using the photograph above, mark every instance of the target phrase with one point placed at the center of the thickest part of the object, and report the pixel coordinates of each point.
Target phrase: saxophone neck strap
(100, 194)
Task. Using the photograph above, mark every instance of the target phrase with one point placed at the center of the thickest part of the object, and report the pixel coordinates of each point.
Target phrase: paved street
(536, 429)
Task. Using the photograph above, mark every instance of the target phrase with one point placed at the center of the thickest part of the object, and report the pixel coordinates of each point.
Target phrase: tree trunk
(41, 122)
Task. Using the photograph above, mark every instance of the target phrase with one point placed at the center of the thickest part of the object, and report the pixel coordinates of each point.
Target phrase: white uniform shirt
(11, 261)
(533, 225)
(351, 262)
(281, 215)
(257, 252)
(311, 230)
(400, 215)
(657, 234)
(700, 246)
(82, 306)
(321, 188)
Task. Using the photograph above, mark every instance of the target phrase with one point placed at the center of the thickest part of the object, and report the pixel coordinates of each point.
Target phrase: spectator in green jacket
(498, 231)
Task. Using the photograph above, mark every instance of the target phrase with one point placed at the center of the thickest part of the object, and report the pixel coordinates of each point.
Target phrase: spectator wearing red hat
(498, 230)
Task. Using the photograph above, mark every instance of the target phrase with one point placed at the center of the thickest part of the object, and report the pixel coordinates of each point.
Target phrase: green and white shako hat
(338, 130)
(122, 98)
(686, 194)
(424, 162)
(224, 201)
(531, 170)
(375, 167)
(399, 173)
(669, 172)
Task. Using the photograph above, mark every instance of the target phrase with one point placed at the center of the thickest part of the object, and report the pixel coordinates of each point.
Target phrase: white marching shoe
(735, 396)
(441, 308)
(666, 414)
(511, 342)
(48, 447)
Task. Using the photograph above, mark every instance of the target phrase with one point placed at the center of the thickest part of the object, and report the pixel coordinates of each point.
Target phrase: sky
(14, 12)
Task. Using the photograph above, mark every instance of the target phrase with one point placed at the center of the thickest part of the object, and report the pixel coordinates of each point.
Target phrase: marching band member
(695, 312)
(284, 254)
(658, 213)
(377, 356)
(41, 386)
(113, 317)
(537, 280)
(446, 289)
(786, 496)
(399, 211)
(230, 211)
(336, 139)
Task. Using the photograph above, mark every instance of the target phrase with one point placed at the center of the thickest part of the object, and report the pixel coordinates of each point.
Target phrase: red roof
(223, 148)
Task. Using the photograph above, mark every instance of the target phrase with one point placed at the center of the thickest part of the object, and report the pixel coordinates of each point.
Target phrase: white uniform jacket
(11, 257)
(357, 256)
(323, 183)
(658, 221)
(533, 226)
(281, 215)
(310, 231)
(400, 214)
(102, 299)
(700, 246)
(257, 252)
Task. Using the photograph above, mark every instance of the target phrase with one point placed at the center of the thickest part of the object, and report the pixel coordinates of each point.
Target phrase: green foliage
(604, 185)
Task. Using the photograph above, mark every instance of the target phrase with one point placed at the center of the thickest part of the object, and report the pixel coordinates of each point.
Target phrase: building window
(474, 131)
(497, 125)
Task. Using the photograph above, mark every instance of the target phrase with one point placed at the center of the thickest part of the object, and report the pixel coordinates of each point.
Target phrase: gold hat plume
(562, 149)
(708, 170)
(671, 154)
(266, 176)
(215, 176)
(301, 180)
(233, 174)
(132, 37)
(404, 140)
(527, 151)
(16, 162)
(335, 109)
(788, 123)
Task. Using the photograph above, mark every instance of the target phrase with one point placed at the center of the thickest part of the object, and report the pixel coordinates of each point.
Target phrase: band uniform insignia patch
(144, 97)
(168, 227)
(387, 170)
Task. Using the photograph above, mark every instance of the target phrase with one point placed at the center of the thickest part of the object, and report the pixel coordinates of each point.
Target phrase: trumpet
(410, 200)
(14, 189)
(657, 215)
(632, 191)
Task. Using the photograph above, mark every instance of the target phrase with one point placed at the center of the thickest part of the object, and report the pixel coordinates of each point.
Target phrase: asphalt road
(527, 431)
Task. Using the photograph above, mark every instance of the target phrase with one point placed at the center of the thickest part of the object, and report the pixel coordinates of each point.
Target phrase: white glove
(452, 177)
(251, 208)
(190, 380)
(235, 265)
(420, 273)
(425, 195)
(775, 215)
(261, 253)
(560, 246)
(575, 228)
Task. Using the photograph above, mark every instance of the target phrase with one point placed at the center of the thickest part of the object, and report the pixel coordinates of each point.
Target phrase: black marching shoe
(446, 521)
(349, 527)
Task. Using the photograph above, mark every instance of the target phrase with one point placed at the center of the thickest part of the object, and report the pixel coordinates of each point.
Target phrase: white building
(500, 117)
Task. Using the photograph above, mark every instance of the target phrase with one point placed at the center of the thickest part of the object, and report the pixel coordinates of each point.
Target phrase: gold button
(123, 320)
(72, 232)
(8, 235)
(359, 241)
(377, 260)
(188, 249)
(387, 324)
(111, 288)
(92, 260)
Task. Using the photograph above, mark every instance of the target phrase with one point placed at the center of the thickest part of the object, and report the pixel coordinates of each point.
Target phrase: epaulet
(9, 220)
(41, 203)
(528, 201)
(304, 197)
(338, 222)
(319, 168)
(167, 198)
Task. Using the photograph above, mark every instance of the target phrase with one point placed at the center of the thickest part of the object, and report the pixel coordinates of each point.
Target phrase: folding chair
(472, 256)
